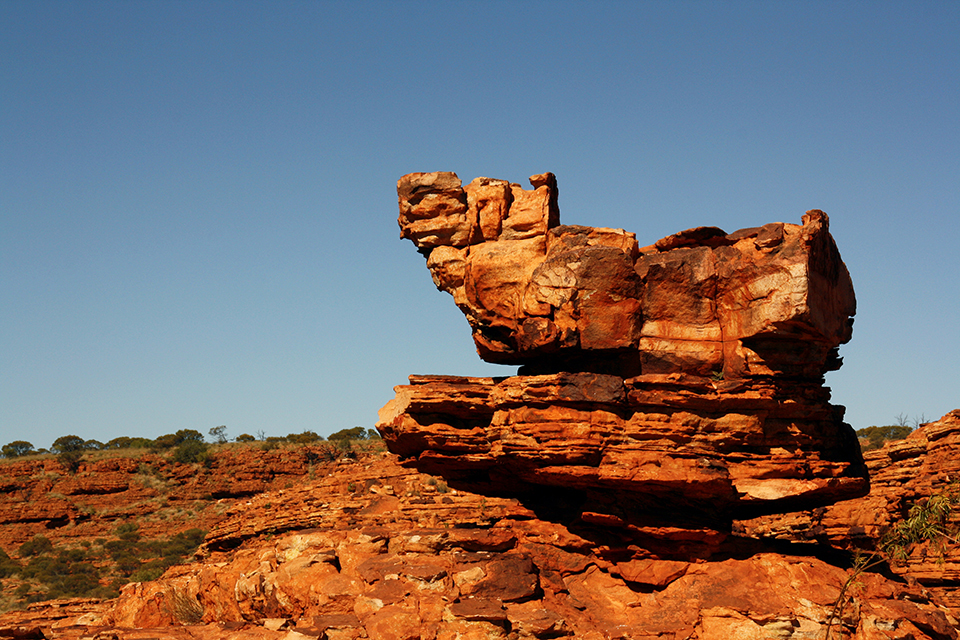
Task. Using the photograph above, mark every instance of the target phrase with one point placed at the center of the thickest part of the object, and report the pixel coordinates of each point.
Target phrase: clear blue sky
(198, 199)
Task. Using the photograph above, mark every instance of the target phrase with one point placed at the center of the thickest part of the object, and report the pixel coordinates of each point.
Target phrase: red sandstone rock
(39, 497)
(687, 374)
(460, 565)
(770, 300)
(694, 447)
(902, 473)
(628, 464)
(375, 550)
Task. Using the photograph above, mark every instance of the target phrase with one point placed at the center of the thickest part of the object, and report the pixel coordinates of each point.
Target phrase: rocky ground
(370, 549)
(39, 496)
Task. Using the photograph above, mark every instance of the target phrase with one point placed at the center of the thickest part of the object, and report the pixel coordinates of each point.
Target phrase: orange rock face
(695, 448)
(902, 474)
(375, 550)
(771, 300)
(674, 385)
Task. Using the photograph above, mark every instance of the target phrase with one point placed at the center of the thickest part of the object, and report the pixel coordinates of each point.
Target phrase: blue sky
(198, 199)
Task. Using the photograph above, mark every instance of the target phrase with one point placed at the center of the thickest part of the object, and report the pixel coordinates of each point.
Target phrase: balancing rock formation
(669, 387)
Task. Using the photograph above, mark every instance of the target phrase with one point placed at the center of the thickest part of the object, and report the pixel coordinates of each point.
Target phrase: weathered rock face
(775, 299)
(370, 549)
(378, 551)
(39, 496)
(665, 391)
(692, 447)
(679, 384)
(902, 473)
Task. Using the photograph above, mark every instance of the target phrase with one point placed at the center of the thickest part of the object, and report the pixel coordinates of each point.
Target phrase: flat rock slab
(649, 449)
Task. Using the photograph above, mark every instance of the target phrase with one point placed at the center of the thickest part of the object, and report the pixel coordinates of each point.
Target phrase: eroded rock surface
(675, 384)
(903, 473)
(665, 391)
(775, 299)
(39, 496)
(378, 551)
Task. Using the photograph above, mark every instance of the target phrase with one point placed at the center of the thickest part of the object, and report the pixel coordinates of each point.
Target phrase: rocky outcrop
(39, 496)
(696, 449)
(674, 385)
(386, 553)
(668, 396)
(903, 473)
(771, 300)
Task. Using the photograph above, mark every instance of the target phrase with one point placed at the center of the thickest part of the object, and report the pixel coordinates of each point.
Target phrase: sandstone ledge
(643, 449)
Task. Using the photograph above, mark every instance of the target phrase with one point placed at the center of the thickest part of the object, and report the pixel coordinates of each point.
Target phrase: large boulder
(676, 384)
(770, 300)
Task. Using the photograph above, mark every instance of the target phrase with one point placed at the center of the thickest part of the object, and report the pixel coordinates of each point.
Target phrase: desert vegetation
(43, 571)
(138, 538)
(875, 437)
(187, 446)
(929, 524)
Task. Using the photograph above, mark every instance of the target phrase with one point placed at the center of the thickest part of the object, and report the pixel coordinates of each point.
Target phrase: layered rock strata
(378, 551)
(678, 384)
(903, 473)
(40, 496)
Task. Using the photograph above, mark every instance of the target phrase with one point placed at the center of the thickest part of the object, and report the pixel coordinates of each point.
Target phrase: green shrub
(356, 433)
(271, 443)
(8, 566)
(69, 450)
(128, 532)
(245, 437)
(149, 571)
(307, 437)
(39, 544)
(68, 443)
(171, 440)
(877, 436)
(191, 451)
(166, 441)
(16, 449)
(68, 574)
(125, 442)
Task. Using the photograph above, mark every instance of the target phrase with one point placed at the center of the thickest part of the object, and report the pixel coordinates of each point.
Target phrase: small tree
(877, 436)
(219, 434)
(245, 437)
(190, 451)
(16, 449)
(356, 433)
(123, 442)
(69, 450)
(68, 443)
(183, 435)
(166, 441)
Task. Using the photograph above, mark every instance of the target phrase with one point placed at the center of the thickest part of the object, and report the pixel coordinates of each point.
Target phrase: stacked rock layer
(670, 385)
